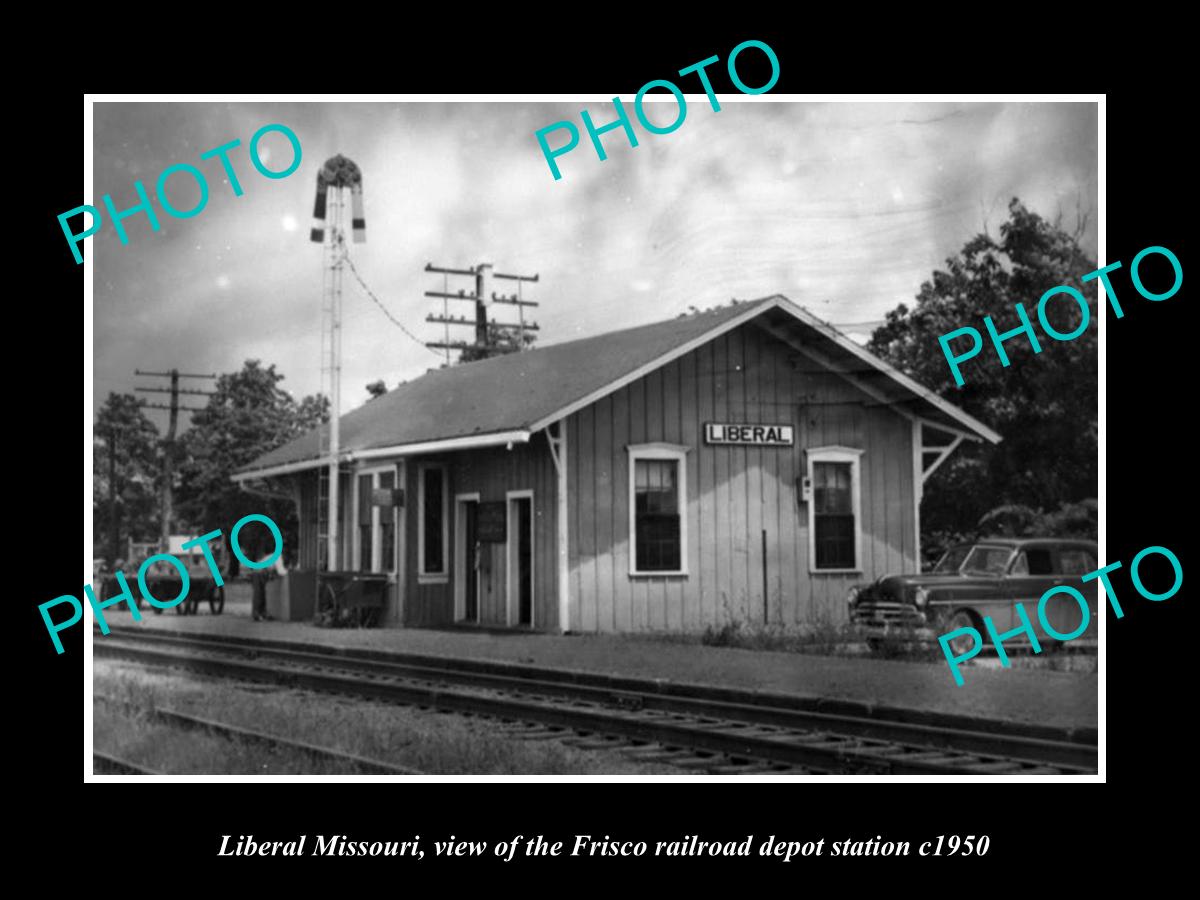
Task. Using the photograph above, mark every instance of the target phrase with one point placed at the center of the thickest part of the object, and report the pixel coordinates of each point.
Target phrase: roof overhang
(809, 335)
(475, 441)
(890, 387)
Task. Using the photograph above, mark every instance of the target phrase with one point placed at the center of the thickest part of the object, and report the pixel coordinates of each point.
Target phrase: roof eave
(496, 438)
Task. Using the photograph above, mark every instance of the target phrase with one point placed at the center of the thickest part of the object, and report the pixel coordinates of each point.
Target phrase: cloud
(846, 207)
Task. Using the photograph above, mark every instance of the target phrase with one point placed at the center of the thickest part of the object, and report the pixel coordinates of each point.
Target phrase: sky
(845, 208)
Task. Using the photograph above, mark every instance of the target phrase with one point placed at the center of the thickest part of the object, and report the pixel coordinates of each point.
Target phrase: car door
(1030, 575)
(1062, 610)
(982, 589)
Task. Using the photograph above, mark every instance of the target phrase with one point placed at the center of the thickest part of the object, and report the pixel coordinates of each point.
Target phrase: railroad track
(114, 765)
(250, 736)
(692, 727)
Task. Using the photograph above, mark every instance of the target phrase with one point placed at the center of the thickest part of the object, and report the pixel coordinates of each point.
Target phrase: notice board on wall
(491, 524)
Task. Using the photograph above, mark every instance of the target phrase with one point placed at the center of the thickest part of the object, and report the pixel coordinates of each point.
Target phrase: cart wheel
(181, 607)
(190, 604)
(216, 600)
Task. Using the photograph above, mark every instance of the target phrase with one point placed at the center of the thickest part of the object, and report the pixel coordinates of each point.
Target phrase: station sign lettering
(759, 435)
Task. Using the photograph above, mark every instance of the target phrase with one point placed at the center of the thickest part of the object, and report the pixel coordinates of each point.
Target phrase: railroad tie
(938, 759)
(806, 737)
(598, 743)
(656, 752)
(538, 734)
(884, 750)
(594, 716)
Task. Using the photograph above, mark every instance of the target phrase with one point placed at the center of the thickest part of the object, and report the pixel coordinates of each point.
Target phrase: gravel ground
(1053, 698)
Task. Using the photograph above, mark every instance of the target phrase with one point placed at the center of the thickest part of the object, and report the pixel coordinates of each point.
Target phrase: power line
(379, 303)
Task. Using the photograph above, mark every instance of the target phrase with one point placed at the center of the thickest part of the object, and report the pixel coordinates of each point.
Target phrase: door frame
(379, 564)
(460, 562)
(512, 601)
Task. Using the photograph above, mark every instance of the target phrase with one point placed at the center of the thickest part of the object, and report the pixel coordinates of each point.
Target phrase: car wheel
(963, 643)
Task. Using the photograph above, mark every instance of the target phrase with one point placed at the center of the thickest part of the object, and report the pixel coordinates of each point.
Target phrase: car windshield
(985, 560)
(952, 560)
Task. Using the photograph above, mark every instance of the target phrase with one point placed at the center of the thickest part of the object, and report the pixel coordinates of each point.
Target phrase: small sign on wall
(754, 435)
(491, 525)
(387, 496)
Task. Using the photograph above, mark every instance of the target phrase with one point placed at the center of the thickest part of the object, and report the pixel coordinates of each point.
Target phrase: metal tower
(337, 175)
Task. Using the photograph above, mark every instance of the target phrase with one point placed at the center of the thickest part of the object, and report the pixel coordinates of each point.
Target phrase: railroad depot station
(749, 463)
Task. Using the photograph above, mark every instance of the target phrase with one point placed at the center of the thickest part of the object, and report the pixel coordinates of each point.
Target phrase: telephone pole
(483, 298)
(114, 519)
(166, 498)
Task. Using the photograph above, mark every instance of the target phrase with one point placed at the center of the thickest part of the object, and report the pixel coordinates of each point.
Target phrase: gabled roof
(509, 398)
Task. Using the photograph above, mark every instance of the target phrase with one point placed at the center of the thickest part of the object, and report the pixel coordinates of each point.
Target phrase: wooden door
(470, 510)
(521, 554)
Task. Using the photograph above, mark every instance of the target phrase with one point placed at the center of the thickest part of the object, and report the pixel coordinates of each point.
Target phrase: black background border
(180, 826)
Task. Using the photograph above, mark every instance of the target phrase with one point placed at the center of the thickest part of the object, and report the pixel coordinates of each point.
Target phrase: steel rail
(902, 726)
(1084, 739)
(117, 765)
(739, 731)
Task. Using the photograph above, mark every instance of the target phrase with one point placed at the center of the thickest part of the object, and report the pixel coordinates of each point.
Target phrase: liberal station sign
(759, 435)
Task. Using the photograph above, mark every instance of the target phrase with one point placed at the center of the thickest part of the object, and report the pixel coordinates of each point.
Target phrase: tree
(500, 340)
(376, 389)
(312, 411)
(1043, 405)
(121, 426)
(248, 415)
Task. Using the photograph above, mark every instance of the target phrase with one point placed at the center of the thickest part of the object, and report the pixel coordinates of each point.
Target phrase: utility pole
(483, 298)
(166, 498)
(114, 518)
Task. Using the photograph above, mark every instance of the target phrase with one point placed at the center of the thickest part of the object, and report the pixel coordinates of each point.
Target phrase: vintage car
(987, 577)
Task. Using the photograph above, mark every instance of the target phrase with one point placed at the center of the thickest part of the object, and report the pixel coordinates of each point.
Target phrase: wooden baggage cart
(350, 599)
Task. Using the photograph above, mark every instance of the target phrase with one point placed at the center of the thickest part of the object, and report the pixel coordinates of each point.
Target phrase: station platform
(1057, 699)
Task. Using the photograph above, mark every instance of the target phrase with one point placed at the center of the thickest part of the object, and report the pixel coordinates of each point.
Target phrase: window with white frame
(375, 532)
(834, 509)
(657, 509)
(433, 523)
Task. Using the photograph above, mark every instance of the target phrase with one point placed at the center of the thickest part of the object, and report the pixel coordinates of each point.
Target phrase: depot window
(657, 509)
(433, 523)
(375, 536)
(834, 510)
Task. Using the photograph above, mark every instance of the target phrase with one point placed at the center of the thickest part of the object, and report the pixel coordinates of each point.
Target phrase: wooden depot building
(749, 463)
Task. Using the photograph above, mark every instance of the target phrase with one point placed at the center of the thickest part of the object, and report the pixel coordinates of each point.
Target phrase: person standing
(258, 582)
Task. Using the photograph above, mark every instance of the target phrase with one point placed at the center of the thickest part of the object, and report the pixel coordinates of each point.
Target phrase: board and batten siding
(305, 484)
(307, 554)
(734, 493)
(490, 472)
